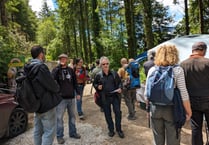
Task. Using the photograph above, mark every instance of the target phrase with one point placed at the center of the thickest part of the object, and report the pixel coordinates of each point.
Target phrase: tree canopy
(92, 28)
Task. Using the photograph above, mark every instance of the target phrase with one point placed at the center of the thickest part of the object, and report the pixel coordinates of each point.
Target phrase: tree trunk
(96, 29)
(75, 40)
(83, 33)
(147, 18)
(130, 26)
(88, 32)
(4, 20)
(186, 17)
(110, 15)
(201, 19)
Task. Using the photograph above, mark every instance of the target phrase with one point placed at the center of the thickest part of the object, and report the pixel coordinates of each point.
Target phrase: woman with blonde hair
(162, 118)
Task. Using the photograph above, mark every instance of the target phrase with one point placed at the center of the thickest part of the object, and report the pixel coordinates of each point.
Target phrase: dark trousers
(196, 125)
(113, 101)
(200, 108)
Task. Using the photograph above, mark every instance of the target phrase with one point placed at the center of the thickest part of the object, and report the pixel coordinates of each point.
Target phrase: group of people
(63, 88)
(192, 79)
(58, 90)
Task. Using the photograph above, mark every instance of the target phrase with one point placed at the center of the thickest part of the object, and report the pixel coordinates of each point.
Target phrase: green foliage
(24, 17)
(12, 45)
(46, 32)
(54, 49)
(194, 19)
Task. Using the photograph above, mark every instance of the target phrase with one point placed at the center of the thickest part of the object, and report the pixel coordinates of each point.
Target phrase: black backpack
(25, 95)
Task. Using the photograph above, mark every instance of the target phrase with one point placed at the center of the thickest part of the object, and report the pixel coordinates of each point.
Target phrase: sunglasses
(105, 64)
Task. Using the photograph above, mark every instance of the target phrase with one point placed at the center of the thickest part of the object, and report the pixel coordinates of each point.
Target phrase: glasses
(105, 64)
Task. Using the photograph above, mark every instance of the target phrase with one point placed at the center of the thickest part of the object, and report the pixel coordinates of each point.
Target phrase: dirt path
(93, 129)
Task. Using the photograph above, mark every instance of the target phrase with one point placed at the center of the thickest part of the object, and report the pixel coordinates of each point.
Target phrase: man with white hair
(109, 86)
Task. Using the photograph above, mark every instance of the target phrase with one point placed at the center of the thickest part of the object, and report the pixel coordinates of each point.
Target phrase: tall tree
(96, 27)
(147, 19)
(201, 18)
(83, 32)
(26, 19)
(45, 11)
(130, 26)
(4, 17)
(186, 17)
(88, 31)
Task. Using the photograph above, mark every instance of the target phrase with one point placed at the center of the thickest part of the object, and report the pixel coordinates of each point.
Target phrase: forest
(90, 29)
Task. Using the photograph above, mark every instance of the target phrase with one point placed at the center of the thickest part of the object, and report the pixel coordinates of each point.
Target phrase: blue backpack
(160, 86)
(133, 71)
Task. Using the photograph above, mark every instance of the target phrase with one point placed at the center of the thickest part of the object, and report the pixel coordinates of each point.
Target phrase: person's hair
(151, 55)
(36, 50)
(123, 60)
(97, 61)
(130, 60)
(77, 60)
(103, 58)
(166, 55)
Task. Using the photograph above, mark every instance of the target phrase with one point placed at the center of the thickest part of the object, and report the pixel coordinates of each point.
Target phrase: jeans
(68, 104)
(44, 127)
(130, 99)
(115, 102)
(163, 127)
(79, 101)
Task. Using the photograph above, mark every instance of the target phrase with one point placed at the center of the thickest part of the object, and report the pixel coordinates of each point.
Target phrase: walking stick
(206, 130)
(92, 80)
(148, 113)
(91, 88)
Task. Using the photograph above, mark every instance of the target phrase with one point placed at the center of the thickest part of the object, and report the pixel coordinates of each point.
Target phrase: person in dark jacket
(47, 90)
(196, 69)
(108, 84)
(65, 77)
(150, 62)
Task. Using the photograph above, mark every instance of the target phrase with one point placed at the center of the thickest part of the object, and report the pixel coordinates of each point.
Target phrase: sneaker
(121, 134)
(76, 136)
(60, 141)
(81, 117)
(101, 109)
(111, 133)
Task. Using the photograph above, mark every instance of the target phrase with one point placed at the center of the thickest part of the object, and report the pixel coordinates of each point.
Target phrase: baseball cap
(62, 56)
(199, 46)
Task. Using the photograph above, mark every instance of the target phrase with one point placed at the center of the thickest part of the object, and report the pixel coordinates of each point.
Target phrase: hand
(119, 90)
(99, 87)
(188, 117)
(78, 97)
(148, 115)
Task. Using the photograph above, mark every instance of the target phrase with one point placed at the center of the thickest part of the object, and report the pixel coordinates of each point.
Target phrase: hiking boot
(60, 141)
(121, 134)
(76, 136)
(111, 133)
(131, 117)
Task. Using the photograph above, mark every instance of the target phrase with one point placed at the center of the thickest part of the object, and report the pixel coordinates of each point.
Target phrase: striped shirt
(179, 81)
